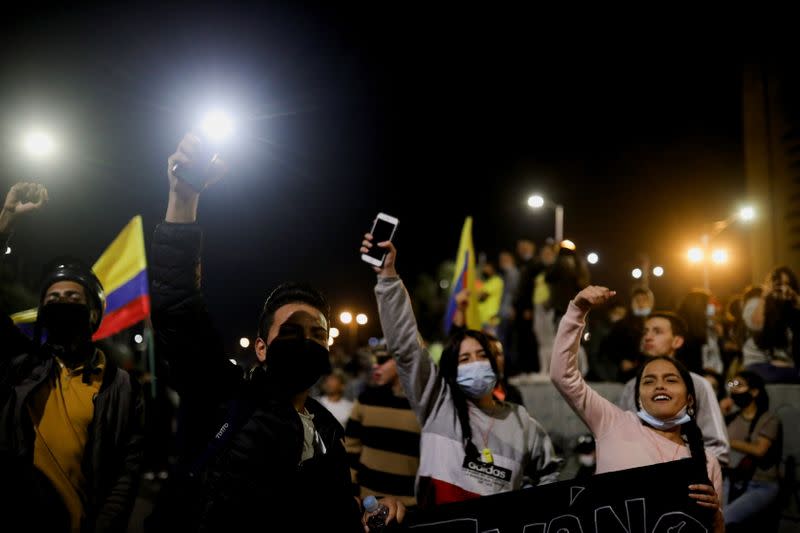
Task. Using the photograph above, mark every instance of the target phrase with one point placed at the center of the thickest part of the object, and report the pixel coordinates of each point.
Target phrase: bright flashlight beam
(39, 144)
(217, 125)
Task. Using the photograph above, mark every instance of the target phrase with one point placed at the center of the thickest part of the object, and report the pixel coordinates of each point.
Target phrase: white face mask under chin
(679, 419)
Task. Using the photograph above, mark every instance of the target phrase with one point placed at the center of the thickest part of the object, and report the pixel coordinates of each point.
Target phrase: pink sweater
(623, 441)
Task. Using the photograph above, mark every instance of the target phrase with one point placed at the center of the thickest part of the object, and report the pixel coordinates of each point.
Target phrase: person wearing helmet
(70, 420)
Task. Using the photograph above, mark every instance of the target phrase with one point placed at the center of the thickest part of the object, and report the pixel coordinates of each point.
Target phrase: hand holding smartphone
(383, 229)
(200, 171)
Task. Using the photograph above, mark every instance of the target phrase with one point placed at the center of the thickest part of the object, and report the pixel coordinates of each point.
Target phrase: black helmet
(72, 269)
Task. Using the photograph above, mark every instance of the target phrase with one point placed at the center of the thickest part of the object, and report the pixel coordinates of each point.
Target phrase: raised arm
(21, 200)
(598, 413)
(185, 336)
(414, 365)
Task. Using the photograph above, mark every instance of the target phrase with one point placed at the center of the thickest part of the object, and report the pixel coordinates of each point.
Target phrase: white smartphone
(382, 230)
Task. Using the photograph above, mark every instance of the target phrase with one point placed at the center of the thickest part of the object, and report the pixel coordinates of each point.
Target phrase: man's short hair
(290, 293)
(676, 322)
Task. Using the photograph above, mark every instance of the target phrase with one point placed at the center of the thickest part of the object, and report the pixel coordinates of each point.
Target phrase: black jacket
(255, 474)
(113, 450)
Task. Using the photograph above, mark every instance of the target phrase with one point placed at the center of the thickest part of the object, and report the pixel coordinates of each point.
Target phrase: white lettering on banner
(606, 520)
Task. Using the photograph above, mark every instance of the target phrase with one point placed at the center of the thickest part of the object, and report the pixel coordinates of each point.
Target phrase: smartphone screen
(382, 232)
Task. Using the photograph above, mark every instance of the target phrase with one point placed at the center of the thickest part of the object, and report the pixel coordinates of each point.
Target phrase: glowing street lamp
(346, 317)
(636, 273)
(244, 342)
(747, 213)
(658, 271)
(361, 319)
(719, 256)
(592, 258)
(334, 332)
(537, 201)
(695, 254)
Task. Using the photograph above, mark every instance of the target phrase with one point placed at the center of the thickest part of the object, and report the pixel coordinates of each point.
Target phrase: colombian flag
(122, 269)
(464, 277)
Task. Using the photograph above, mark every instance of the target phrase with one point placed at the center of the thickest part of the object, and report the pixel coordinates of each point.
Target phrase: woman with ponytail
(664, 428)
(472, 444)
(756, 437)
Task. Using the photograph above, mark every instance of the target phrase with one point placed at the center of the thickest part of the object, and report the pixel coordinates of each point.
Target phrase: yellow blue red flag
(464, 278)
(122, 269)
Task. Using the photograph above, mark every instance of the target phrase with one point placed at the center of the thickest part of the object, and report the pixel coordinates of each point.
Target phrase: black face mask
(296, 364)
(66, 323)
(741, 399)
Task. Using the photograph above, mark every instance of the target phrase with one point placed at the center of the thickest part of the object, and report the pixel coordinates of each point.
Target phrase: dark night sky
(429, 115)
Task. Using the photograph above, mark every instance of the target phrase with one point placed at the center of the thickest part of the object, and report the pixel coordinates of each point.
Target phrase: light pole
(536, 201)
(704, 253)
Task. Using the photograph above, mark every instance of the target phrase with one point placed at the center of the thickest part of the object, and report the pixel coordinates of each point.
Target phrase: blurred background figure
(382, 435)
(333, 386)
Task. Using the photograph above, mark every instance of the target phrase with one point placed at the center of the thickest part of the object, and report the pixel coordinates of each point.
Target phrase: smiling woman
(658, 432)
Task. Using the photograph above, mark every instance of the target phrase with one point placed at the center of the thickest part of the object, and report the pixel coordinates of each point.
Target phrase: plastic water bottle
(377, 513)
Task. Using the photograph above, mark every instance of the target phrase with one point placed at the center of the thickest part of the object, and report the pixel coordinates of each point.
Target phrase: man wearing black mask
(253, 447)
(70, 420)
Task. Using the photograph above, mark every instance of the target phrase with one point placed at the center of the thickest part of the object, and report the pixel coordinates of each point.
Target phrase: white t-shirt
(340, 410)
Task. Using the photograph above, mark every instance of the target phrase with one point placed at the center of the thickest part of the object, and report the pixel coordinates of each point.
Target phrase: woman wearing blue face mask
(472, 444)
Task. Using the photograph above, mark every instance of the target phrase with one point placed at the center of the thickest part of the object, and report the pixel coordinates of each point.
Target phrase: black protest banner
(652, 499)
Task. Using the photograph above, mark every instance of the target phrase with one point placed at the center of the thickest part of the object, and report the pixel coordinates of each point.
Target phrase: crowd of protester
(396, 421)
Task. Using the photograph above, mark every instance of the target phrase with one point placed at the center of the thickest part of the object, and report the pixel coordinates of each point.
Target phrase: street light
(361, 319)
(593, 258)
(536, 201)
(334, 332)
(244, 342)
(695, 254)
(658, 271)
(138, 338)
(346, 317)
(636, 273)
(745, 214)
(719, 256)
